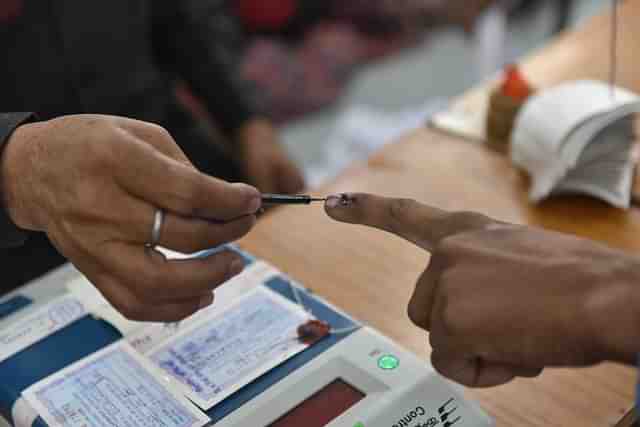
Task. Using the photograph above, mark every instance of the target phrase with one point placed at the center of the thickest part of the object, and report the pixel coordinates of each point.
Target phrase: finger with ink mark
(345, 207)
(343, 200)
(418, 223)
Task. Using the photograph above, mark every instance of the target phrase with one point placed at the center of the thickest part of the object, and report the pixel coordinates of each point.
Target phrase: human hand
(465, 13)
(462, 13)
(502, 301)
(266, 163)
(93, 184)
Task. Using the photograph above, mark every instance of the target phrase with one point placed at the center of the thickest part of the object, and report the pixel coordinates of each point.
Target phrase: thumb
(477, 373)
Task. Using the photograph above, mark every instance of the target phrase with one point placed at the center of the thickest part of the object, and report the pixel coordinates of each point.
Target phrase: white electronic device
(364, 381)
(356, 378)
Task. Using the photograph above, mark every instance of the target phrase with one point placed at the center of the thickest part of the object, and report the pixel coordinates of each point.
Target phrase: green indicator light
(358, 425)
(388, 362)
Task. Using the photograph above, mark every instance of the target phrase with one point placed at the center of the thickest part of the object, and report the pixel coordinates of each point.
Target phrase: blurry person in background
(126, 58)
(313, 47)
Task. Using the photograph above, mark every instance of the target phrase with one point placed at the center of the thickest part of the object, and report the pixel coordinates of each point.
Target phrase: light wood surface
(371, 274)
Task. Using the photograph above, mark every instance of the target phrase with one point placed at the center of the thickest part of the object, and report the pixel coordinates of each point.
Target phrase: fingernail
(255, 204)
(333, 202)
(340, 201)
(236, 267)
(206, 301)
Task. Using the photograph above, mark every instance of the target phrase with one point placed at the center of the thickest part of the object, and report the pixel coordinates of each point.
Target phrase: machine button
(388, 362)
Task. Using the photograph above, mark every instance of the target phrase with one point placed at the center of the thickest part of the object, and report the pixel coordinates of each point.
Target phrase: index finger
(418, 223)
(171, 184)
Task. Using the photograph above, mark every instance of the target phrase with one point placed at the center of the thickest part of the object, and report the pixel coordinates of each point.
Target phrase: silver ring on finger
(156, 230)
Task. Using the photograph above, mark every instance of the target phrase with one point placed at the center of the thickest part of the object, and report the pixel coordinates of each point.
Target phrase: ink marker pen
(284, 199)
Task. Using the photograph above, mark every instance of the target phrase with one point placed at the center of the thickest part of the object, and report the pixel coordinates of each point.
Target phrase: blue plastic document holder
(89, 335)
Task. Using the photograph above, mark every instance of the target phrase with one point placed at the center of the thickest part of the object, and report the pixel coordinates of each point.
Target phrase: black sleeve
(10, 234)
(199, 41)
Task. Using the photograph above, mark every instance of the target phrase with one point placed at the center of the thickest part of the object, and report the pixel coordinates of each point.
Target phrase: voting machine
(67, 359)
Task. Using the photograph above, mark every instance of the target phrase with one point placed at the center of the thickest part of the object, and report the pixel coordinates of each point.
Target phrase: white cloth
(577, 138)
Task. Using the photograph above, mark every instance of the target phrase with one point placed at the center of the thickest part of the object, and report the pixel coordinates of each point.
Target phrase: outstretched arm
(501, 300)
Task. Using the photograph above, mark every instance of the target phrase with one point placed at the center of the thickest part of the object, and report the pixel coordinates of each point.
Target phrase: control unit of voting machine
(267, 353)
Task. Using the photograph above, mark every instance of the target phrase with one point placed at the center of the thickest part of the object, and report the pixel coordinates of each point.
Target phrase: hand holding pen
(301, 199)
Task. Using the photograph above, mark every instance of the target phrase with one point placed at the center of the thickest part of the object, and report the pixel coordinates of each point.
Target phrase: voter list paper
(45, 321)
(226, 351)
(113, 387)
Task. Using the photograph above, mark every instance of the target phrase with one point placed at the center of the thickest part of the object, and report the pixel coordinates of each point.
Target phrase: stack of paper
(247, 332)
(577, 138)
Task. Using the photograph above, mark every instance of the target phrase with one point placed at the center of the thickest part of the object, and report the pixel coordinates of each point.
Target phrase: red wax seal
(313, 331)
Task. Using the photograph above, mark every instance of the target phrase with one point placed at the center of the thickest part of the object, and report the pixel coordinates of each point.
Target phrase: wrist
(612, 310)
(13, 163)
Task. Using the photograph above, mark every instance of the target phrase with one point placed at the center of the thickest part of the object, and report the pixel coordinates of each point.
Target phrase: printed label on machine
(45, 321)
(224, 352)
(113, 387)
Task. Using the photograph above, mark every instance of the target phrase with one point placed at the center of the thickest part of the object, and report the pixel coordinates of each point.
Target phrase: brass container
(501, 118)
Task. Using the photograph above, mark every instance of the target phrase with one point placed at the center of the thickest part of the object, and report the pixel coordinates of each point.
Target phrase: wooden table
(371, 274)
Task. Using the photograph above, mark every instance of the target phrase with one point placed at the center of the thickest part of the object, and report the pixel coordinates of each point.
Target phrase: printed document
(225, 351)
(45, 321)
(113, 387)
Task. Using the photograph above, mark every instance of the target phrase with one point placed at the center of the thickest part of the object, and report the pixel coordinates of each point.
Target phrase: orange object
(514, 85)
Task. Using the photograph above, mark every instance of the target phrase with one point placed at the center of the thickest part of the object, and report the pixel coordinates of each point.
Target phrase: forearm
(10, 234)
